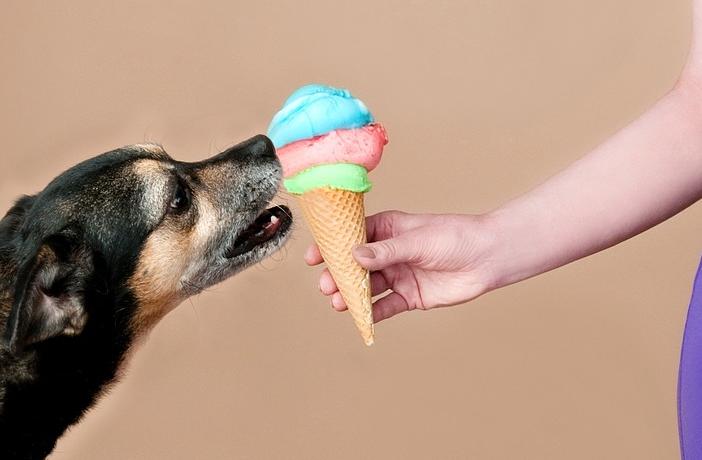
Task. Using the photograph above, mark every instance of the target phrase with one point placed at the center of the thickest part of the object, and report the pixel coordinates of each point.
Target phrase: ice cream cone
(327, 142)
(337, 220)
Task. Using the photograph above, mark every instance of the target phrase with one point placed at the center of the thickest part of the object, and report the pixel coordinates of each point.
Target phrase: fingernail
(337, 301)
(324, 288)
(364, 252)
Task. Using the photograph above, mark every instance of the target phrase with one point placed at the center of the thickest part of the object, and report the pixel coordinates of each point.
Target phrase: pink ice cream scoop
(362, 146)
(327, 141)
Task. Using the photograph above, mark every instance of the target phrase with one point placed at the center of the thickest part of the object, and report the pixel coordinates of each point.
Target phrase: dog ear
(49, 300)
(15, 216)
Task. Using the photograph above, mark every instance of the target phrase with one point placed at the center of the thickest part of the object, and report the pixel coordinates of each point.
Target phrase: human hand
(423, 260)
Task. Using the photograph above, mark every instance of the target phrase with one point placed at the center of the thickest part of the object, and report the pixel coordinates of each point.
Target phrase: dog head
(123, 238)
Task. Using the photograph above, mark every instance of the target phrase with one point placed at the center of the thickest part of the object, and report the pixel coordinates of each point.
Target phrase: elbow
(690, 81)
(690, 85)
(688, 93)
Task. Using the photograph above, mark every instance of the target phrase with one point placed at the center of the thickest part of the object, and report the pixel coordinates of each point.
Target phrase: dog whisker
(283, 210)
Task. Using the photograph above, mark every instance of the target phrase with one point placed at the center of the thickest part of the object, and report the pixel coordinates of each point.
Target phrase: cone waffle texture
(337, 220)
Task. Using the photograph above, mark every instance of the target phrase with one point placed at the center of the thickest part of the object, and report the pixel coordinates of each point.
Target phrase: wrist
(514, 253)
(497, 268)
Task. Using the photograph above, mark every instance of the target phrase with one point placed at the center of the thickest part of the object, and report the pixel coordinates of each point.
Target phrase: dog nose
(257, 148)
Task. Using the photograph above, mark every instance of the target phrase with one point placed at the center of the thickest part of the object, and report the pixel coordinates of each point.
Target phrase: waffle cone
(337, 220)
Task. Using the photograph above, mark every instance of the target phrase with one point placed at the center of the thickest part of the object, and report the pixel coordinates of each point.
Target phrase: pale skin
(638, 178)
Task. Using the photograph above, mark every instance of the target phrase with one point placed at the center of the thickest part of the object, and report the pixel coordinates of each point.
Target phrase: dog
(89, 265)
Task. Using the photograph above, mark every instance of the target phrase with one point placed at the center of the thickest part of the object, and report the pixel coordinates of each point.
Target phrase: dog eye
(181, 199)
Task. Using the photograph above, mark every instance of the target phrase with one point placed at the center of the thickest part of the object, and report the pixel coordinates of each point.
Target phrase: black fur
(66, 308)
(48, 387)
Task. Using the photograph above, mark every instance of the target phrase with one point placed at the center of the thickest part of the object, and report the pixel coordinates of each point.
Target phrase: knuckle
(387, 221)
(386, 250)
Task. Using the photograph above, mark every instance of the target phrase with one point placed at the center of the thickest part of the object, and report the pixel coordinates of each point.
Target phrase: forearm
(643, 175)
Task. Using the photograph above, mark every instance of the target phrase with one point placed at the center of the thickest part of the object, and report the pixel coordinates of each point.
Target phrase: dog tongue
(268, 228)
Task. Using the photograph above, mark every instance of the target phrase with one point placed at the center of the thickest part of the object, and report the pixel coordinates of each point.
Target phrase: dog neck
(49, 387)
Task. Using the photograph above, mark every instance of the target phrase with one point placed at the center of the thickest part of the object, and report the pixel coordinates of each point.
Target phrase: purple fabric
(690, 379)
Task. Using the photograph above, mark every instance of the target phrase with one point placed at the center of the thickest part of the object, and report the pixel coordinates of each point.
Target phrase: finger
(388, 224)
(382, 254)
(327, 285)
(380, 226)
(379, 283)
(389, 306)
(313, 256)
(337, 302)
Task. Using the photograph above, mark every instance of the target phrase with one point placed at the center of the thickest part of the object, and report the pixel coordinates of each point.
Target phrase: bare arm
(646, 173)
(641, 176)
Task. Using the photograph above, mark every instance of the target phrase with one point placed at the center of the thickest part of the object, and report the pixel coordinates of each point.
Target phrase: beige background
(482, 100)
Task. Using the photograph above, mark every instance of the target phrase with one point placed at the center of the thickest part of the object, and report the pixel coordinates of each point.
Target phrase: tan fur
(157, 279)
(169, 256)
(154, 176)
(212, 176)
(149, 147)
(206, 225)
(147, 168)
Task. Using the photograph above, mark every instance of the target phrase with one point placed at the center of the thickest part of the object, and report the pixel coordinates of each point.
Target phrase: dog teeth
(274, 219)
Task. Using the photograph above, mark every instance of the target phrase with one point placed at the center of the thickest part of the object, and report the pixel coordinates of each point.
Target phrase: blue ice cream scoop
(313, 110)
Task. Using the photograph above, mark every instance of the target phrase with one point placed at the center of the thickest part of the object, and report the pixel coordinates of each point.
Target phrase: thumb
(382, 254)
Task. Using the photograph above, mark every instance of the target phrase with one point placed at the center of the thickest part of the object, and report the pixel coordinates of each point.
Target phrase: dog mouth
(271, 225)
